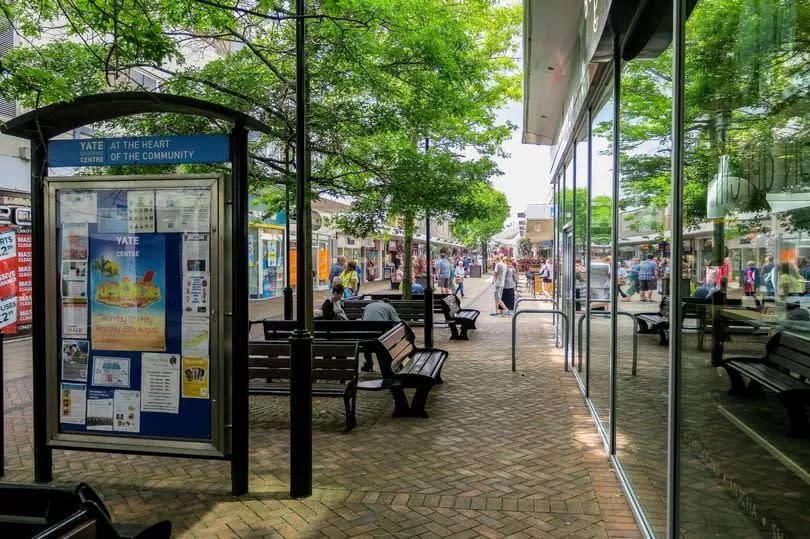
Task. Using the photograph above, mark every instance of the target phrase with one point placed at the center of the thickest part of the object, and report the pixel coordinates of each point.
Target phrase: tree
(525, 248)
(601, 216)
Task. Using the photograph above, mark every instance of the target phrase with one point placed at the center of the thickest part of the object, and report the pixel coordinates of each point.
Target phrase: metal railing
(536, 311)
(607, 315)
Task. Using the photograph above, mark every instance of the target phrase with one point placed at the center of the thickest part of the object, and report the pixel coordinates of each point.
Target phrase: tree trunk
(407, 261)
(484, 260)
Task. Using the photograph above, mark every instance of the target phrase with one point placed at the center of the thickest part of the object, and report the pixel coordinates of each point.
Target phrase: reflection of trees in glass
(601, 223)
(746, 97)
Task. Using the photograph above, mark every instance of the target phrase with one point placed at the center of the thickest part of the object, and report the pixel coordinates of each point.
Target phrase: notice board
(135, 355)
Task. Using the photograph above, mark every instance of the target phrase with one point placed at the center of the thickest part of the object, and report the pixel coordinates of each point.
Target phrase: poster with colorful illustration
(128, 292)
(195, 377)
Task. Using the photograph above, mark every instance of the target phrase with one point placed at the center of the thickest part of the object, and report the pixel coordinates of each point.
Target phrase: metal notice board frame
(212, 441)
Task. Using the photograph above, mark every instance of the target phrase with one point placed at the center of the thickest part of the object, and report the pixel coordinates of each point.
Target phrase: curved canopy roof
(59, 118)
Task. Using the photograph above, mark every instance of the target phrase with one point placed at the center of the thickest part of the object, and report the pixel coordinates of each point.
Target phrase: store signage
(139, 151)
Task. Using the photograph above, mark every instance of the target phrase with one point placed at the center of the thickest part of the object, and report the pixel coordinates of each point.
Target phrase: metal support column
(301, 340)
(674, 434)
(588, 239)
(288, 291)
(429, 284)
(614, 234)
(43, 458)
(573, 244)
(240, 325)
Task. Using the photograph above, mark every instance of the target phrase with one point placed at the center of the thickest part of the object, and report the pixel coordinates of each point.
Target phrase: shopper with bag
(459, 277)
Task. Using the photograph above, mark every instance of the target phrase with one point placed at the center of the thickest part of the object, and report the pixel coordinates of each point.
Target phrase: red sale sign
(24, 284)
(8, 280)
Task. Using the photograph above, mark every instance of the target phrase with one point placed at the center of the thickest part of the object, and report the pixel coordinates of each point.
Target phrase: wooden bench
(365, 332)
(463, 319)
(410, 311)
(47, 511)
(656, 322)
(404, 366)
(784, 369)
(334, 371)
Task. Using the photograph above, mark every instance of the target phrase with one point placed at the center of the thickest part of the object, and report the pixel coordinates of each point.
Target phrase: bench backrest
(451, 306)
(790, 352)
(663, 307)
(394, 348)
(331, 360)
(329, 330)
(406, 309)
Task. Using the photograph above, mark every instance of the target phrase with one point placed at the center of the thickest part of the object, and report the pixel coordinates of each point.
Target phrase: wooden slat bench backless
(784, 369)
(334, 371)
(404, 366)
(461, 318)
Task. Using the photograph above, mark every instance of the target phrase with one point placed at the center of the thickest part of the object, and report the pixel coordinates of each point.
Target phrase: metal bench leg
(348, 402)
(401, 407)
(454, 335)
(463, 333)
(419, 400)
(368, 364)
(794, 405)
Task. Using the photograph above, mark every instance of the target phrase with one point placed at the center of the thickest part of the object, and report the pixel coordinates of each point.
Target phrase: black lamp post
(288, 291)
(301, 340)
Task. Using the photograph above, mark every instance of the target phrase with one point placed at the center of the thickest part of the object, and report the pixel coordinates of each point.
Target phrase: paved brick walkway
(502, 454)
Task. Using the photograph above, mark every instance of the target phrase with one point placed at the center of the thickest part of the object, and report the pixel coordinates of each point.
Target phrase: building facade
(679, 137)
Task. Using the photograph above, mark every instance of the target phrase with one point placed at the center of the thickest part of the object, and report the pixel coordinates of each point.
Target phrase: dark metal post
(43, 458)
(2, 414)
(588, 241)
(574, 244)
(614, 235)
(674, 426)
(429, 287)
(288, 291)
(301, 340)
(240, 316)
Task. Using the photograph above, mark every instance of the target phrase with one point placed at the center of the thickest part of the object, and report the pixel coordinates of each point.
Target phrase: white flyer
(160, 382)
(74, 279)
(99, 410)
(74, 320)
(72, 403)
(75, 355)
(8, 244)
(183, 211)
(110, 371)
(195, 252)
(78, 207)
(140, 211)
(74, 241)
(195, 336)
(195, 293)
(127, 411)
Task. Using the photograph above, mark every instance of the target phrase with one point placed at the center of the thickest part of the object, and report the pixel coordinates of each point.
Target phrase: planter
(475, 271)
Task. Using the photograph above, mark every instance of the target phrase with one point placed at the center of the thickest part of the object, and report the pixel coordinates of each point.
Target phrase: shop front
(15, 264)
(682, 144)
(266, 253)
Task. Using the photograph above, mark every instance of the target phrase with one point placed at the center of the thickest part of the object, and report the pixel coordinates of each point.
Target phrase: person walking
(443, 269)
(580, 283)
(750, 278)
(767, 274)
(632, 276)
(509, 285)
(337, 268)
(648, 279)
(459, 275)
(547, 277)
(350, 280)
(498, 280)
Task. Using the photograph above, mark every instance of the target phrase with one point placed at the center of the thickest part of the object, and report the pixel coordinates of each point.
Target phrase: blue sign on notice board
(170, 150)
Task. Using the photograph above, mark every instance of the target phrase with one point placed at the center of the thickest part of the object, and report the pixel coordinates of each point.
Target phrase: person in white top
(498, 280)
(459, 277)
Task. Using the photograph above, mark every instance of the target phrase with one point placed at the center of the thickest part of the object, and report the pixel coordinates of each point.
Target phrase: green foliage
(601, 216)
(481, 212)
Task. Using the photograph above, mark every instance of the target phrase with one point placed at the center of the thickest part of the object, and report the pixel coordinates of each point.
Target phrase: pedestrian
(337, 268)
(498, 280)
(460, 273)
(648, 279)
(750, 278)
(332, 308)
(580, 283)
(632, 277)
(767, 275)
(509, 285)
(396, 261)
(350, 280)
(790, 283)
(623, 278)
(546, 277)
(380, 310)
(443, 269)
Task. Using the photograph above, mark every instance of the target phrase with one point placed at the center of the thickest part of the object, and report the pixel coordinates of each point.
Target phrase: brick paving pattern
(503, 454)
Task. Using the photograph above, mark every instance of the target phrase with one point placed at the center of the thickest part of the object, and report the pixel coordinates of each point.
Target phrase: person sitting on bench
(332, 308)
(380, 310)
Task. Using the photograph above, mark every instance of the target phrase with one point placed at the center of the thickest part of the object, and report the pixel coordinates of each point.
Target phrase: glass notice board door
(134, 355)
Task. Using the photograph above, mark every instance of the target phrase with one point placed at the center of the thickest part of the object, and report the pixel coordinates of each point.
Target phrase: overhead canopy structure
(47, 122)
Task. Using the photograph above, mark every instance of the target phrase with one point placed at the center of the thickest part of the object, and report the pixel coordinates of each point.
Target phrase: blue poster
(128, 292)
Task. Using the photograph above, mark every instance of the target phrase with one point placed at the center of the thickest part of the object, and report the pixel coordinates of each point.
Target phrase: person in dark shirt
(766, 274)
(332, 308)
